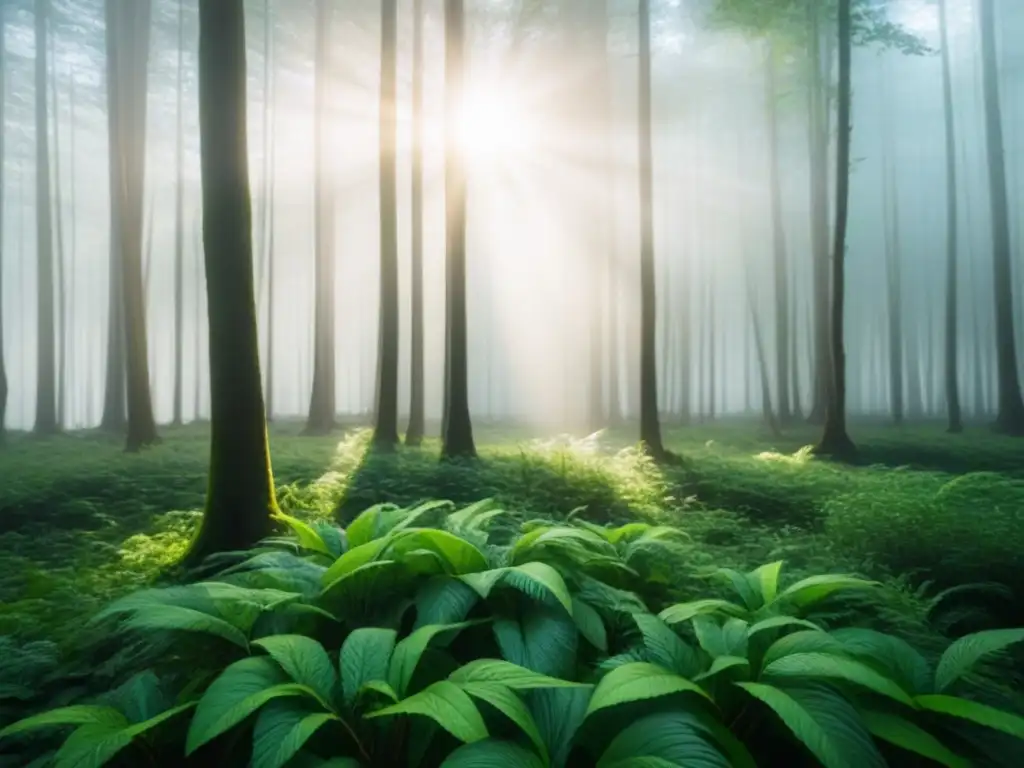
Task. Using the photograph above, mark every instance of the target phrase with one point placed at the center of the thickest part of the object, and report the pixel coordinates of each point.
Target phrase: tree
(457, 428)
(267, 218)
(179, 224)
(46, 382)
(417, 417)
(3, 157)
(321, 401)
(386, 431)
(240, 499)
(835, 441)
(893, 262)
(1010, 415)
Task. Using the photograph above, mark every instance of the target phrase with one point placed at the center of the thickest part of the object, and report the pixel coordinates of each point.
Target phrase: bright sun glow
(495, 123)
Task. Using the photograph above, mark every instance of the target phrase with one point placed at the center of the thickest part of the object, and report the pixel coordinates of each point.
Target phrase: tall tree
(60, 276)
(46, 373)
(3, 178)
(386, 431)
(179, 224)
(128, 45)
(650, 425)
(1010, 415)
(835, 441)
(322, 398)
(457, 428)
(267, 222)
(240, 499)
(417, 415)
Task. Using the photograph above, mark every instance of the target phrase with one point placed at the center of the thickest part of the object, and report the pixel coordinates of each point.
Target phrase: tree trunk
(782, 371)
(46, 383)
(269, 191)
(835, 441)
(179, 225)
(60, 276)
(1010, 414)
(385, 434)
(417, 415)
(322, 398)
(457, 438)
(767, 413)
(240, 495)
(894, 270)
(650, 427)
(3, 179)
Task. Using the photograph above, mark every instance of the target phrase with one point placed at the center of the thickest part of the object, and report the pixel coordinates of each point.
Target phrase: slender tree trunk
(782, 371)
(386, 431)
(457, 439)
(894, 273)
(179, 225)
(712, 350)
(322, 399)
(240, 498)
(835, 441)
(269, 191)
(650, 426)
(61, 255)
(1010, 414)
(767, 413)
(46, 383)
(417, 415)
(3, 179)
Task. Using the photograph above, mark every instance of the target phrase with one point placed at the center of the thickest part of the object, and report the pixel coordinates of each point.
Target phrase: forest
(314, 454)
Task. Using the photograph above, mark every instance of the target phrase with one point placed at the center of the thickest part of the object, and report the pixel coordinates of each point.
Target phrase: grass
(81, 522)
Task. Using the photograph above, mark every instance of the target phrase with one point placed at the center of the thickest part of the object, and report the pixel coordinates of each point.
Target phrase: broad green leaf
(368, 524)
(415, 514)
(514, 708)
(444, 600)
(767, 579)
(636, 682)
(308, 538)
(590, 624)
(176, 617)
(824, 665)
(407, 653)
(543, 640)
(447, 705)
(305, 661)
(140, 697)
(664, 739)
(665, 647)
(365, 656)
(491, 753)
(963, 654)
(776, 622)
(743, 587)
(355, 558)
(91, 746)
(538, 579)
(504, 673)
(824, 722)
(982, 714)
(148, 725)
(240, 690)
(807, 641)
(900, 660)
(722, 663)
(282, 728)
(460, 556)
(77, 714)
(814, 589)
(904, 734)
(558, 712)
(676, 614)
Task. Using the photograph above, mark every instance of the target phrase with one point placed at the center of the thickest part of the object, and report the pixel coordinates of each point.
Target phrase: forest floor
(82, 522)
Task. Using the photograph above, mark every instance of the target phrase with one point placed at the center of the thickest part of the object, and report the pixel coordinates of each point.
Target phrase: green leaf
(964, 653)
(373, 522)
(681, 612)
(350, 561)
(743, 587)
(491, 753)
(807, 641)
(240, 690)
(537, 580)
(982, 714)
(590, 624)
(444, 600)
(282, 728)
(665, 647)
(378, 687)
(308, 538)
(636, 682)
(507, 674)
(767, 579)
(823, 665)
(814, 589)
(723, 663)
(509, 704)
(460, 556)
(730, 639)
(900, 660)
(91, 746)
(447, 705)
(365, 655)
(544, 640)
(407, 653)
(669, 739)
(824, 722)
(77, 714)
(177, 617)
(148, 725)
(904, 734)
(776, 622)
(305, 661)
(559, 712)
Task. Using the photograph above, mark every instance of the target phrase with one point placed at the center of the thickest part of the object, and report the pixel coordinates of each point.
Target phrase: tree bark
(269, 192)
(893, 268)
(417, 415)
(240, 498)
(60, 276)
(782, 371)
(179, 225)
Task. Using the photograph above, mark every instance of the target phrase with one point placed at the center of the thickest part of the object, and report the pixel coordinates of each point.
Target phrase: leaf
(665, 647)
(447, 705)
(504, 673)
(964, 653)
(459, 555)
(982, 714)
(743, 587)
(91, 746)
(282, 728)
(537, 580)
(559, 712)
(407, 653)
(240, 690)
(767, 578)
(177, 617)
(491, 753)
(77, 714)
(365, 656)
(350, 561)
(305, 661)
(669, 739)
(543, 640)
(148, 725)
(776, 622)
(444, 600)
(636, 682)
(825, 723)
(896, 656)
(509, 704)
(308, 538)
(807, 641)
(906, 735)
(590, 624)
(366, 525)
(721, 664)
(814, 589)
(140, 697)
(675, 614)
(815, 665)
